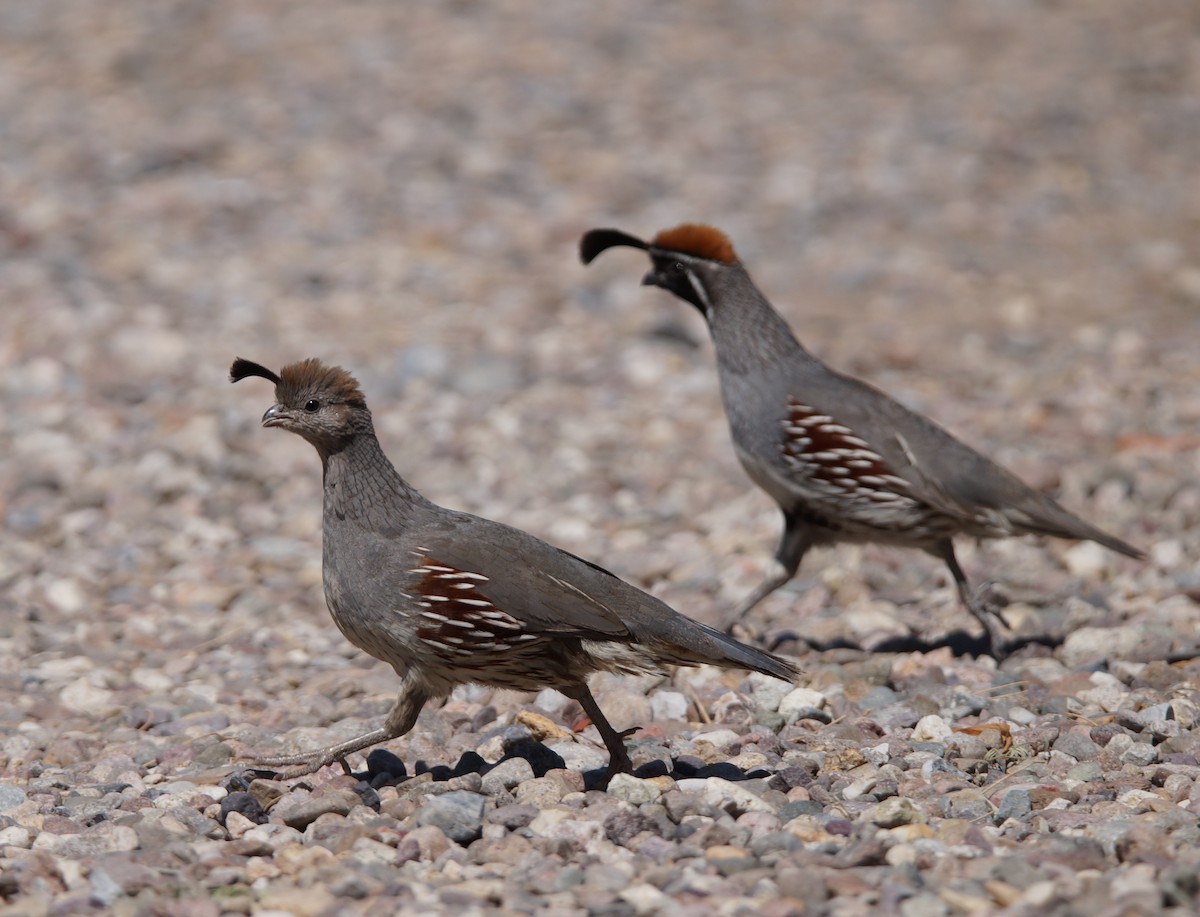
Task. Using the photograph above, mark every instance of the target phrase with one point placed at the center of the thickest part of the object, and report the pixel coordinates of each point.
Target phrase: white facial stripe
(698, 287)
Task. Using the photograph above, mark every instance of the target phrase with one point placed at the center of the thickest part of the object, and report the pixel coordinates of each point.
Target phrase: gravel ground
(988, 209)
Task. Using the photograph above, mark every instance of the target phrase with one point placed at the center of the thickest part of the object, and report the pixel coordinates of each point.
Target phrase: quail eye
(678, 268)
(312, 405)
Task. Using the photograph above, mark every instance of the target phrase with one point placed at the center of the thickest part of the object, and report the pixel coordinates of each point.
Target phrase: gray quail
(844, 461)
(447, 598)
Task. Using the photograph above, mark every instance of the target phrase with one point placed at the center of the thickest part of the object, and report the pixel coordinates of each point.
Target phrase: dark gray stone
(1076, 743)
(1015, 804)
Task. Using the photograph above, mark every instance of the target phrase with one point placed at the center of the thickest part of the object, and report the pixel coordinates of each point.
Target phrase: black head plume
(595, 241)
(243, 368)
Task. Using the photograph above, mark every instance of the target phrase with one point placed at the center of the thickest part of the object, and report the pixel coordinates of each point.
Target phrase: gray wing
(556, 593)
(945, 473)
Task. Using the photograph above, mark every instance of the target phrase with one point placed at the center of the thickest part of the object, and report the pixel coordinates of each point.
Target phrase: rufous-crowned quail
(844, 461)
(447, 598)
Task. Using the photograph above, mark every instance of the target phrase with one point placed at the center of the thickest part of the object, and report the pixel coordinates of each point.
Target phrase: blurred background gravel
(990, 210)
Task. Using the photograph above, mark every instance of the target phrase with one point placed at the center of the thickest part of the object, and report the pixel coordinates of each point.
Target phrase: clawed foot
(309, 762)
(618, 756)
(300, 765)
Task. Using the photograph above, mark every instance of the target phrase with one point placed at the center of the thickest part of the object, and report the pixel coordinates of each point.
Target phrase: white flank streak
(434, 616)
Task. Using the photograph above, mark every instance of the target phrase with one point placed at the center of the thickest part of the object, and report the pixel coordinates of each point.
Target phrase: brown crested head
(698, 240)
(305, 377)
(312, 375)
(324, 404)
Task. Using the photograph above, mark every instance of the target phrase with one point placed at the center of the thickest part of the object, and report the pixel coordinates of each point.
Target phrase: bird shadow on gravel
(959, 642)
(384, 768)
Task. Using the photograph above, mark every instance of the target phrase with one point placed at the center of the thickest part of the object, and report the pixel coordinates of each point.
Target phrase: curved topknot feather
(697, 239)
(242, 369)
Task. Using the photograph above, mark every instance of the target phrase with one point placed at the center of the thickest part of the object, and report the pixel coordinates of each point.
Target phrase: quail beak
(276, 416)
(653, 279)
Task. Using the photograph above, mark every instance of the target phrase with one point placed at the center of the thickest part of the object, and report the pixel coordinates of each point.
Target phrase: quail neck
(748, 339)
(363, 487)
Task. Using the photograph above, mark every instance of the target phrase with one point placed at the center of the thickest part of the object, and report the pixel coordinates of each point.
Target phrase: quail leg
(618, 756)
(994, 644)
(797, 539)
(401, 719)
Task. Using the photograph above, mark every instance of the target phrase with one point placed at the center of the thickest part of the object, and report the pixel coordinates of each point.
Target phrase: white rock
(1140, 799)
(580, 757)
(368, 850)
(798, 700)
(237, 824)
(549, 700)
(1022, 716)
(1108, 692)
(878, 755)
(633, 790)
(1087, 644)
(565, 824)
(728, 795)
(859, 788)
(931, 728)
(668, 705)
(645, 899)
(718, 738)
(66, 595)
(1086, 559)
(86, 697)
(15, 836)
(1168, 554)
